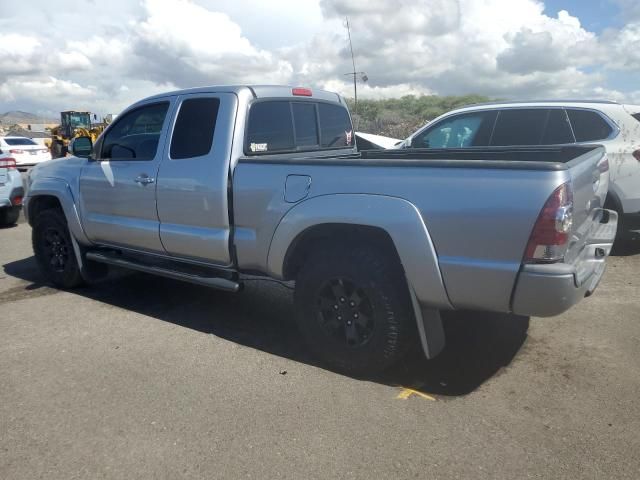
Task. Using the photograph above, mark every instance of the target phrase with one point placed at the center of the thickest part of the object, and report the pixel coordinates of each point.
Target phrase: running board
(213, 282)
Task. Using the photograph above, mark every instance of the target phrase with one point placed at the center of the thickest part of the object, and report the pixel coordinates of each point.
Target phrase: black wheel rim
(345, 312)
(56, 249)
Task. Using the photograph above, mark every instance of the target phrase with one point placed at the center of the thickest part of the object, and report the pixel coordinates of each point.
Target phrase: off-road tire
(54, 250)
(376, 276)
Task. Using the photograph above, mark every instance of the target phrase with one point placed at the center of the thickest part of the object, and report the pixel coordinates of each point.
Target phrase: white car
(369, 141)
(25, 151)
(556, 122)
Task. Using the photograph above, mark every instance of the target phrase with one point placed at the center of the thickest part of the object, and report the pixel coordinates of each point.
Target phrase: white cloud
(72, 61)
(501, 48)
(18, 54)
(623, 47)
(374, 92)
(180, 39)
(43, 89)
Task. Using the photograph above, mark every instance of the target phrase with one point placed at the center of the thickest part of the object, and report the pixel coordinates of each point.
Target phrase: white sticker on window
(348, 136)
(259, 147)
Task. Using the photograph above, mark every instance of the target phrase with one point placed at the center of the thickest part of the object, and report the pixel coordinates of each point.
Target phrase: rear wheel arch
(332, 235)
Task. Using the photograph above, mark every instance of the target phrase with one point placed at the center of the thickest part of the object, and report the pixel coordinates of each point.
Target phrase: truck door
(193, 179)
(118, 188)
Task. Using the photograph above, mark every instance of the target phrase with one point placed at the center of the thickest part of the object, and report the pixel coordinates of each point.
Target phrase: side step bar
(213, 282)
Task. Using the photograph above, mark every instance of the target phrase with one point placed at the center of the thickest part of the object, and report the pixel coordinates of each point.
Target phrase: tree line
(399, 117)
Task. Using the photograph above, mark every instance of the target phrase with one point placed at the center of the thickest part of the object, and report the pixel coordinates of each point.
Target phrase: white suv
(611, 124)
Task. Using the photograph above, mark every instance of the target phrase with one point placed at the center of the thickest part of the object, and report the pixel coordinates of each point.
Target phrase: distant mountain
(16, 116)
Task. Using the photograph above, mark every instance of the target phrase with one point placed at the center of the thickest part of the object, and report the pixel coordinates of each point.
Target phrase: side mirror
(81, 147)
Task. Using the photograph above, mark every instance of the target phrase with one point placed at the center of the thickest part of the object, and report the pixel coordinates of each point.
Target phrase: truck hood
(67, 168)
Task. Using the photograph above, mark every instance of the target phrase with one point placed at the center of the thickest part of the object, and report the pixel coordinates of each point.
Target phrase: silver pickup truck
(218, 185)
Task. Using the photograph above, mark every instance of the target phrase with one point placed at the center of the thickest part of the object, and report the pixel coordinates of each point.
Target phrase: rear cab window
(285, 126)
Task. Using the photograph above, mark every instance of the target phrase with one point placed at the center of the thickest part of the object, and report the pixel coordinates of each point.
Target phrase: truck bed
(478, 207)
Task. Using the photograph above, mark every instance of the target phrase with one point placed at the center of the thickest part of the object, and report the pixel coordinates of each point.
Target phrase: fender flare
(60, 189)
(404, 224)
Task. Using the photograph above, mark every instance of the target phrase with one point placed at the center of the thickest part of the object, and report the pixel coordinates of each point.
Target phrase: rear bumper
(14, 199)
(11, 191)
(548, 290)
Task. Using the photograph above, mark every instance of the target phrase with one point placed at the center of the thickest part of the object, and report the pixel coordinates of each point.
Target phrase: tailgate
(590, 183)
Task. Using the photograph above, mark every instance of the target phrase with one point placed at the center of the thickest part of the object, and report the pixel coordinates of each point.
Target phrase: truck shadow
(479, 344)
(626, 248)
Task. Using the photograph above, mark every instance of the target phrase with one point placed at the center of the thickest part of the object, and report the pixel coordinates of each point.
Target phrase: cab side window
(135, 135)
(194, 128)
(460, 131)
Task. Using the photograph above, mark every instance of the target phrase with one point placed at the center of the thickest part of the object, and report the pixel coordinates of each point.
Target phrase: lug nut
(352, 304)
(339, 317)
(342, 299)
(335, 307)
(355, 315)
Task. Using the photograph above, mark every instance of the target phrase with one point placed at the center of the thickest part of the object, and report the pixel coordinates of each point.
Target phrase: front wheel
(354, 309)
(54, 251)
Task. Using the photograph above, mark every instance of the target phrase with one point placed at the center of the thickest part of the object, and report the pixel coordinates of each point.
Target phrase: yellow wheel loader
(72, 124)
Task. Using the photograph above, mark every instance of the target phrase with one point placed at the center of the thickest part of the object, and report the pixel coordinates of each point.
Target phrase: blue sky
(595, 15)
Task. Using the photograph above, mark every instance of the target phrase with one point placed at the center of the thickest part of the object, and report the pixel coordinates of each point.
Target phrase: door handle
(144, 180)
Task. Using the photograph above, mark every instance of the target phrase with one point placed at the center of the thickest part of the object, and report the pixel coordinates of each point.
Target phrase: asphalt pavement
(144, 377)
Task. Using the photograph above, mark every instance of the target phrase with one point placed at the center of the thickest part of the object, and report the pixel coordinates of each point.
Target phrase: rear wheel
(9, 216)
(354, 309)
(54, 251)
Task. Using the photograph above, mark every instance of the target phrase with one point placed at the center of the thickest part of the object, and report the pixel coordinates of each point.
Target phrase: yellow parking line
(407, 392)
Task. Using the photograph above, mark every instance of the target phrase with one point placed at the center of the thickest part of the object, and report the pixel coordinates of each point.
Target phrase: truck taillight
(550, 235)
(8, 163)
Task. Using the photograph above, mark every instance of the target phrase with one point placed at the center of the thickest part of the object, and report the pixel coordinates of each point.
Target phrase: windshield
(79, 120)
(19, 141)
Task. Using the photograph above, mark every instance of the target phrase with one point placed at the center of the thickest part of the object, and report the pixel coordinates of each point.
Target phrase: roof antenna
(354, 73)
